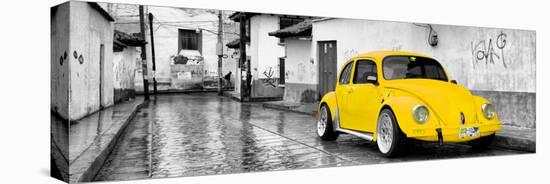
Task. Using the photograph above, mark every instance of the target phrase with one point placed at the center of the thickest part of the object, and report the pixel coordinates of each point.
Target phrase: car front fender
(330, 100)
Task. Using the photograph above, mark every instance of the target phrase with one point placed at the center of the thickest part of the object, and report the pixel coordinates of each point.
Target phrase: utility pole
(153, 54)
(143, 53)
(245, 89)
(219, 51)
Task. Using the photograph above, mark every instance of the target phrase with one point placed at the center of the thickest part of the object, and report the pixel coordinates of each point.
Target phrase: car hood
(446, 100)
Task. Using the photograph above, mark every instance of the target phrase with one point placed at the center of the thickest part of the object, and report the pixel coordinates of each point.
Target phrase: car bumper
(453, 134)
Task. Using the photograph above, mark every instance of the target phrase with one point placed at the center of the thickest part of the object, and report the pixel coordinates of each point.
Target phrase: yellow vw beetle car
(389, 97)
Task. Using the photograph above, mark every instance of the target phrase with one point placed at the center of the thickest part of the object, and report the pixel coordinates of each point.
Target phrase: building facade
(267, 54)
(82, 56)
(180, 35)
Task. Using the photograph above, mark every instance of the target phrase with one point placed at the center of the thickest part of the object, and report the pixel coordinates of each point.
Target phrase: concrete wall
(487, 60)
(125, 64)
(59, 60)
(300, 71)
(59, 94)
(88, 30)
(265, 52)
(187, 76)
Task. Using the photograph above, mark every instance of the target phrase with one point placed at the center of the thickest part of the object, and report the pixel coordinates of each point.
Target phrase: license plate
(468, 132)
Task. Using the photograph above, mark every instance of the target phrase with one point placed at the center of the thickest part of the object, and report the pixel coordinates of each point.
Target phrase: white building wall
(456, 50)
(265, 50)
(59, 60)
(298, 63)
(88, 30)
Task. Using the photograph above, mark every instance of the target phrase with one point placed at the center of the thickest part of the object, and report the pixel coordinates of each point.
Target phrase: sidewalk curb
(515, 143)
(93, 169)
(286, 108)
(502, 141)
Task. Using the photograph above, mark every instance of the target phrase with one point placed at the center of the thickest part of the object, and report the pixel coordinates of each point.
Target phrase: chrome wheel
(322, 121)
(384, 133)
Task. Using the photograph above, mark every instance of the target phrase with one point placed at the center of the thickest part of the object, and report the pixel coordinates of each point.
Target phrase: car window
(363, 70)
(410, 67)
(345, 75)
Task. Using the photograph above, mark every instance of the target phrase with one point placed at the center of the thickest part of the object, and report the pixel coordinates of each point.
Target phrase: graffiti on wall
(269, 79)
(489, 51)
(348, 54)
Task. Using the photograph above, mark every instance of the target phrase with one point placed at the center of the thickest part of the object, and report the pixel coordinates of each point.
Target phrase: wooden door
(327, 66)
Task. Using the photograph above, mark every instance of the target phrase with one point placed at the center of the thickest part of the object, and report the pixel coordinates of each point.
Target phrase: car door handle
(350, 90)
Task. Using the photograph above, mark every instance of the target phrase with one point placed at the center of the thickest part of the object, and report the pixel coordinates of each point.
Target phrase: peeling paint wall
(300, 72)
(488, 61)
(265, 53)
(59, 60)
(88, 31)
(125, 64)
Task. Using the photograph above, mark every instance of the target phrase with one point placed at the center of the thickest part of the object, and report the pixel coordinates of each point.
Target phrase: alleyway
(202, 134)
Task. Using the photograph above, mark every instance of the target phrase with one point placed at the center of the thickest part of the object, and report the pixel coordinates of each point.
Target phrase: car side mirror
(454, 82)
(372, 79)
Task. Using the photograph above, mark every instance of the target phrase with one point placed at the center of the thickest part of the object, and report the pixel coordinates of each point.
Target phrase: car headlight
(488, 111)
(420, 114)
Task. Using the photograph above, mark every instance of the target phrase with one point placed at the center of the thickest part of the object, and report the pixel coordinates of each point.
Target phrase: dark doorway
(282, 70)
(327, 66)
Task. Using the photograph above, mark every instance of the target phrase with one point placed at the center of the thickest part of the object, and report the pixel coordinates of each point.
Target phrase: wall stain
(81, 59)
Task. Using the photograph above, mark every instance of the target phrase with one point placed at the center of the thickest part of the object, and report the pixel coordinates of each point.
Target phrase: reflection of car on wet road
(389, 97)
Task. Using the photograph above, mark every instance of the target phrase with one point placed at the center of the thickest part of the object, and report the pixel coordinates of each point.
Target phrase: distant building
(180, 34)
(299, 69)
(126, 61)
(266, 53)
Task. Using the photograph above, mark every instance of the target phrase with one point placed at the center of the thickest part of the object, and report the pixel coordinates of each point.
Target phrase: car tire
(391, 141)
(325, 128)
(482, 142)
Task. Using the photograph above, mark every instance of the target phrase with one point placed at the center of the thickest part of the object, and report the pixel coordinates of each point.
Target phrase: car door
(342, 91)
(362, 101)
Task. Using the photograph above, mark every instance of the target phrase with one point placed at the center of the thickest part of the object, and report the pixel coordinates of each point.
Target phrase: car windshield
(412, 67)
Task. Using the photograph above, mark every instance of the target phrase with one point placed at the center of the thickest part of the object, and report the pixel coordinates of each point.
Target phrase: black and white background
(25, 135)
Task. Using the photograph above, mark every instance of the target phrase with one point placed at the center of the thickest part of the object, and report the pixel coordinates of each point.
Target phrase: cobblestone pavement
(203, 134)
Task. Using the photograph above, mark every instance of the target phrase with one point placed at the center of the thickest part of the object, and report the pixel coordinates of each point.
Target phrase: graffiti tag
(489, 51)
(348, 54)
(270, 80)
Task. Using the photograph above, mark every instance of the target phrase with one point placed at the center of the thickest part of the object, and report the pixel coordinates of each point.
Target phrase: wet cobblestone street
(203, 134)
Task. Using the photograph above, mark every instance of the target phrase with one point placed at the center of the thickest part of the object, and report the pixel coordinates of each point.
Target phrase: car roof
(379, 55)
